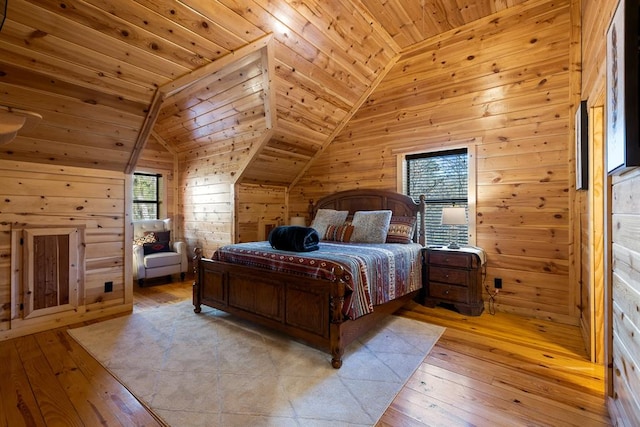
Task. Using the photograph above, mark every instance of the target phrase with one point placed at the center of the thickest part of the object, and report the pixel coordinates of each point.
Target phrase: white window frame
(401, 183)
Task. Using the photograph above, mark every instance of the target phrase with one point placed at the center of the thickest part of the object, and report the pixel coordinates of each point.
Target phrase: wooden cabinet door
(51, 266)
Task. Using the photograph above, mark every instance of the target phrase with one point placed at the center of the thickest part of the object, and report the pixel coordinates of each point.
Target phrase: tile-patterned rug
(212, 369)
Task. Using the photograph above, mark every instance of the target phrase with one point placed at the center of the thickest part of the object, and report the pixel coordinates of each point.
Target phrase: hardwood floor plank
(53, 401)
(415, 406)
(86, 399)
(17, 403)
(576, 373)
(499, 370)
(545, 336)
(128, 410)
(510, 405)
(476, 369)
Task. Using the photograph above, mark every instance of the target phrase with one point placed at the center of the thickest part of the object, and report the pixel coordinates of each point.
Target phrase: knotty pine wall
(501, 85)
(257, 207)
(207, 193)
(621, 194)
(43, 195)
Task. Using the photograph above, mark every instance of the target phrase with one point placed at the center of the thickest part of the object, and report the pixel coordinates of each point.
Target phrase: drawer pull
(446, 292)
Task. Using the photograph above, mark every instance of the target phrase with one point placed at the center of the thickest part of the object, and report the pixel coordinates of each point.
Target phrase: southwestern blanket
(374, 273)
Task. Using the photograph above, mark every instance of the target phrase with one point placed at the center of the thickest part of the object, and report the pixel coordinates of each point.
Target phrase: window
(443, 178)
(146, 196)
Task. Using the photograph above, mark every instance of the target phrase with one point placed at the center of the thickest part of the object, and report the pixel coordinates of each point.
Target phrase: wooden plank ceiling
(203, 74)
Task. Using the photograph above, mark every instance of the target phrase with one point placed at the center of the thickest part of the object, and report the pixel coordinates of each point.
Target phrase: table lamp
(454, 216)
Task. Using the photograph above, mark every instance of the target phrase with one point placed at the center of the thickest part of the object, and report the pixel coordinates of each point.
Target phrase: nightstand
(454, 276)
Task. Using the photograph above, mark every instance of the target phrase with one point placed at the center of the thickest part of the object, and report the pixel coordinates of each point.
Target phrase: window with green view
(146, 196)
(443, 178)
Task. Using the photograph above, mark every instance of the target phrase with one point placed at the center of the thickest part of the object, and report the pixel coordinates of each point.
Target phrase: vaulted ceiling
(280, 77)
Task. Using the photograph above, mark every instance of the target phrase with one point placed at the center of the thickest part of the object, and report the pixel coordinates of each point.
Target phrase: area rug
(213, 369)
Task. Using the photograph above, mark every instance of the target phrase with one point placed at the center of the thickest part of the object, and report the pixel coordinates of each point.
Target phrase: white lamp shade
(454, 216)
(298, 220)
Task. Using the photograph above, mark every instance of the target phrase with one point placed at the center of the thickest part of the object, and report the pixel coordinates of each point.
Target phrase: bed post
(336, 304)
(196, 280)
(422, 233)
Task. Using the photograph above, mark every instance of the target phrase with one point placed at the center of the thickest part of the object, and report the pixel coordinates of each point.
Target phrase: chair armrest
(138, 262)
(181, 248)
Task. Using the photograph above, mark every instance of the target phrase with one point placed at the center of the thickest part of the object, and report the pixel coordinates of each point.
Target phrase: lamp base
(453, 245)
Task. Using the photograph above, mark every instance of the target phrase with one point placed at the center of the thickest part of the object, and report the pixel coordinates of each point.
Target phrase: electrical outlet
(497, 283)
(108, 286)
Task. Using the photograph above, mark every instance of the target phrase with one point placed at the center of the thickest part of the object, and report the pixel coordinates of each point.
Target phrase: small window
(443, 178)
(146, 196)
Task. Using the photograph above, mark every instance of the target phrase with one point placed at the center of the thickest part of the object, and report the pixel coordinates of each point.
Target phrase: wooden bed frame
(308, 310)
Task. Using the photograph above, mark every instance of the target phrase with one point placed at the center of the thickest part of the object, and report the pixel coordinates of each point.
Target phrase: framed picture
(623, 145)
(582, 147)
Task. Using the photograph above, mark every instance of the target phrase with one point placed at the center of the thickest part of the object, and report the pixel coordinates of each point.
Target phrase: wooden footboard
(306, 309)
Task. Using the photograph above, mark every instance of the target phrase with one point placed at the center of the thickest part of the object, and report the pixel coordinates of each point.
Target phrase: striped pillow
(401, 229)
(339, 233)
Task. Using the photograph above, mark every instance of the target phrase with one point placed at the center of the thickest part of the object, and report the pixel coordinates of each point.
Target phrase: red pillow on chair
(152, 248)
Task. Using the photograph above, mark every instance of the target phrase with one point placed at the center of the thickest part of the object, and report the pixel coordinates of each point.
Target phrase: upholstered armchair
(155, 254)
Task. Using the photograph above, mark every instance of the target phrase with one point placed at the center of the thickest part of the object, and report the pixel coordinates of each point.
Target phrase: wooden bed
(307, 309)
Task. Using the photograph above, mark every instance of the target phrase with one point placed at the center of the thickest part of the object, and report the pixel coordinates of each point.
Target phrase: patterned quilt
(375, 273)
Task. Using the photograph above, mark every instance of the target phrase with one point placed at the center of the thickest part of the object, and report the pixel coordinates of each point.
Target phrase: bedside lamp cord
(492, 295)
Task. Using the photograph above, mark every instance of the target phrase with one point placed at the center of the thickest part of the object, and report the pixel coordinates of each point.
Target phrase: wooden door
(51, 266)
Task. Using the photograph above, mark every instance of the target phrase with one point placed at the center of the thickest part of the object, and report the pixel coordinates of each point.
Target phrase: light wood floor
(484, 371)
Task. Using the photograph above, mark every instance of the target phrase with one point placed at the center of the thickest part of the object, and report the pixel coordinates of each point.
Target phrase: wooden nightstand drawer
(450, 259)
(449, 292)
(448, 275)
(454, 277)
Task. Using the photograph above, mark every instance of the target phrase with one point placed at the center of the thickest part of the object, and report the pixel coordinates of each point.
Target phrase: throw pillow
(401, 229)
(327, 217)
(149, 237)
(161, 236)
(153, 248)
(339, 233)
(370, 226)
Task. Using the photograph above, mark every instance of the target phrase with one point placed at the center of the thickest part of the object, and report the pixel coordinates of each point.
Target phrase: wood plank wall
(258, 207)
(45, 195)
(623, 220)
(503, 85)
(206, 188)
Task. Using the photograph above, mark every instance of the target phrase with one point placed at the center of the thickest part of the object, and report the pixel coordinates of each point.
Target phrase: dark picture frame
(582, 146)
(3, 12)
(622, 131)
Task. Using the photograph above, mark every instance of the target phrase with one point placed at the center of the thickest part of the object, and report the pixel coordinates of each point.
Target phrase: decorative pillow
(370, 226)
(401, 229)
(152, 248)
(327, 217)
(149, 237)
(161, 236)
(339, 233)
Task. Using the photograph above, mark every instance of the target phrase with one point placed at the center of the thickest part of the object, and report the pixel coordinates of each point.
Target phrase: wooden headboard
(371, 200)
